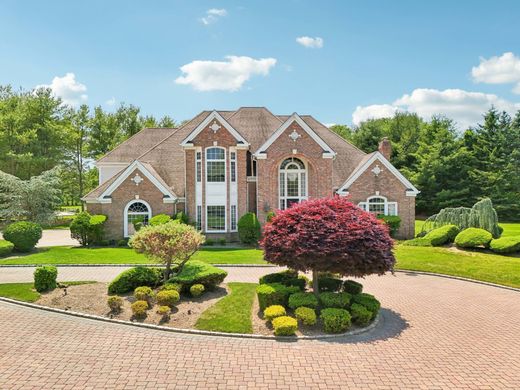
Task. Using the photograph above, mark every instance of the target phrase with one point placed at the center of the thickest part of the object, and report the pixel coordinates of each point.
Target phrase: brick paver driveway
(436, 333)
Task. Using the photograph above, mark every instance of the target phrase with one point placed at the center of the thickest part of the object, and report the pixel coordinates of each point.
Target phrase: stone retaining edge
(372, 325)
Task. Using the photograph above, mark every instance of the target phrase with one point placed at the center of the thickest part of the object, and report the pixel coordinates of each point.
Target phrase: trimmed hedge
(300, 299)
(335, 320)
(274, 294)
(198, 272)
(361, 316)
(287, 278)
(6, 247)
(306, 315)
(505, 244)
(274, 311)
(327, 283)
(159, 219)
(392, 221)
(333, 299)
(369, 302)
(352, 287)
(473, 238)
(24, 235)
(249, 229)
(285, 326)
(128, 280)
(45, 278)
(442, 235)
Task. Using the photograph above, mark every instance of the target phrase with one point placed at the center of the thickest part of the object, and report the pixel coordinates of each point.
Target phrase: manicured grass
(69, 255)
(20, 291)
(474, 265)
(232, 314)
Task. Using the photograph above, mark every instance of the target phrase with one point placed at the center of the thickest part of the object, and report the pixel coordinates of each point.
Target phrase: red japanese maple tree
(328, 235)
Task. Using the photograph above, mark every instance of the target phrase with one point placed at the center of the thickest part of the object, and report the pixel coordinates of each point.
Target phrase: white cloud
(498, 70)
(212, 15)
(313, 43)
(227, 75)
(68, 89)
(465, 107)
(111, 102)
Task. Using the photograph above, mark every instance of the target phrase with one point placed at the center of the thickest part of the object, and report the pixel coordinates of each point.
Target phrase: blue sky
(454, 58)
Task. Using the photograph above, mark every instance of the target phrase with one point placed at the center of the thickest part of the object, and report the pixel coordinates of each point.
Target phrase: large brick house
(222, 164)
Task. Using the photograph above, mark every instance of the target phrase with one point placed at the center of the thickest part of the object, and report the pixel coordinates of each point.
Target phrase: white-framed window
(234, 218)
(136, 211)
(216, 218)
(198, 162)
(292, 182)
(199, 217)
(233, 166)
(378, 205)
(215, 165)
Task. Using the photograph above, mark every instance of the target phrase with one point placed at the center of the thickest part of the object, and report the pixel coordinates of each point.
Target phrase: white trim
(110, 164)
(108, 200)
(125, 220)
(365, 205)
(136, 165)
(410, 188)
(214, 116)
(262, 150)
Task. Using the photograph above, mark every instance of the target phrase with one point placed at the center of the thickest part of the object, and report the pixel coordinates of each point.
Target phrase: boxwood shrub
(335, 320)
(128, 280)
(505, 244)
(300, 299)
(473, 238)
(287, 278)
(306, 315)
(285, 326)
(139, 309)
(24, 235)
(6, 247)
(328, 283)
(369, 302)
(144, 293)
(198, 272)
(249, 229)
(352, 287)
(271, 312)
(45, 278)
(333, 299)
(361, 316)
(167, 298)
(197, 290)
(274, 294)
(442, 235)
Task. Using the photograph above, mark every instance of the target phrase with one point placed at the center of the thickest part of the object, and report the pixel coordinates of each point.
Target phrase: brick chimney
(385, 148)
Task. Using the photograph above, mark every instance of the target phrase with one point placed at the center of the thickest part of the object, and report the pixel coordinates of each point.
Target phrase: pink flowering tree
(171, 244)
(328, 235)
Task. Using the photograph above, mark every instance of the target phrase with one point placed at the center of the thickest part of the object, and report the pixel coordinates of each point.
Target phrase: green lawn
(20, 291)
(68, 255)
(231, 314)
(474, 265)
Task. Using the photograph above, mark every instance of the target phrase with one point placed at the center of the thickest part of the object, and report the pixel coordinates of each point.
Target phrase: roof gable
(411, 190)
(262, 150)
(214, 115)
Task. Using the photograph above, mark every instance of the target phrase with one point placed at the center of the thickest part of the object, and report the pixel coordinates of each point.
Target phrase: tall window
(199, 166)
(216, 218)
(215, 165)
(233, 166)
(292, 182)
(136, 211)
(379, 205)
(233, 218)
(199, 217)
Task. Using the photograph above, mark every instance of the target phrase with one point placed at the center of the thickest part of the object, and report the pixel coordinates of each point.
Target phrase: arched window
(215, 165)
(136, 211)
(379, 205)
(292, 182)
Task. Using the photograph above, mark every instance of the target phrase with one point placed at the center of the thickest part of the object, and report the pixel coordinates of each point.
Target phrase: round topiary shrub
(303, 299)
(335, 320)
(45, 278)
(172, 286)
(332, 299)
(164, 311)
(273, 294)
(505, 245)
(249, 229)
(285, 326)
(360, 314)
(24, 235)
(115, 303)
(128, 280)
(6, 247)
(274, 311)
(369, 302)
(473, 238)
(139, 309)
(167, 298)
(159, 219)
(352, 287)
(442, 235)
(306, 315)
(197, 290)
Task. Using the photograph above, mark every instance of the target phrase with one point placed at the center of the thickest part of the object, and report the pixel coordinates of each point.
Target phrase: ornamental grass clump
(328, 235)
(285, 326)
(274, 311)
